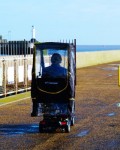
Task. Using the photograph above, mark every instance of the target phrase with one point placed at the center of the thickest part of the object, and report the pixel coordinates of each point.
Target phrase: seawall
(84, 59)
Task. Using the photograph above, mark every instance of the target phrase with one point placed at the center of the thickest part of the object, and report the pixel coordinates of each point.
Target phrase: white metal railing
(15, 74)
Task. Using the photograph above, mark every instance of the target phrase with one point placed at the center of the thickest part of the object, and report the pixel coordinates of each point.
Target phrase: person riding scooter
(55, 70)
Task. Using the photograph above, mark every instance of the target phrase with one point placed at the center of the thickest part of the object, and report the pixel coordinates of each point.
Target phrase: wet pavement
(97, 120)
(20, 129)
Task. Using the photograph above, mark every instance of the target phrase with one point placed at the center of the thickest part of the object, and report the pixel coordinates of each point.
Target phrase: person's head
(56, 58)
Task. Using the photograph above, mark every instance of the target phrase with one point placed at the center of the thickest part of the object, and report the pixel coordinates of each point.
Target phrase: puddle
(114, 64)
(82, 133)
(118, 104)
(111, 125)
(110, 75)
(12, 130)
(34, 126)
(111, 114)
(110, 68)
(113, 144)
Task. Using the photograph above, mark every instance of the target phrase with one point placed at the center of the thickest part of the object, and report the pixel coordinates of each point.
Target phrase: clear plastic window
(51, 63)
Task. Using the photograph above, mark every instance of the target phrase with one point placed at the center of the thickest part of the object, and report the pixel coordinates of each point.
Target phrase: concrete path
(97, 122)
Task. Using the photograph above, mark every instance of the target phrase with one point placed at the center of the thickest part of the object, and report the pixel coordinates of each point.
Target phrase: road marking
(14, 101)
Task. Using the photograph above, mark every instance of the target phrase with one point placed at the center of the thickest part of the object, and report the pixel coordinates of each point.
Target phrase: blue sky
(89, 21)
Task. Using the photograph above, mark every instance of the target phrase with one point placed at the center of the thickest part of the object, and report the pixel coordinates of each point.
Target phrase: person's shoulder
(47, 67)
(64, 68)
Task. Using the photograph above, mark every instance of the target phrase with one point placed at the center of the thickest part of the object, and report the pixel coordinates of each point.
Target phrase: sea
(91, 48)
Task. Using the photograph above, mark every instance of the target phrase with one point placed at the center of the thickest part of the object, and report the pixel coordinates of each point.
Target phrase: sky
(90, 22)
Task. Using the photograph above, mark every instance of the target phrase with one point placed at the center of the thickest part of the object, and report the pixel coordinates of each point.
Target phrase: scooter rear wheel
(72, 121)
(67, 128)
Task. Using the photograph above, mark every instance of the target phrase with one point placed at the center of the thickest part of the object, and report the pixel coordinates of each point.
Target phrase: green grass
(14, 97)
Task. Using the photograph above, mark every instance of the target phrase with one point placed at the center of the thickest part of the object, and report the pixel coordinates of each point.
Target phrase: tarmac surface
(97, 121)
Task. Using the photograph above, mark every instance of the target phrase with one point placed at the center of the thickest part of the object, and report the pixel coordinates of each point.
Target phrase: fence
(15, 67)
(15, 74)
(15, 48)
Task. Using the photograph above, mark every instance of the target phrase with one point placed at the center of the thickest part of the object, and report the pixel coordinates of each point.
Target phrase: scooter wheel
(72, 121)
(67, 128)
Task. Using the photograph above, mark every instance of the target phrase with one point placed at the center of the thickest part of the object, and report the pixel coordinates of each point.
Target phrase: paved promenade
(97, 122)
(98, 105)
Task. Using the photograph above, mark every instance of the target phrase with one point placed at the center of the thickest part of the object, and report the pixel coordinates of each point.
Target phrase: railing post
(15, 76)
(27, 48)
(119, 75)
(8, 48)
(4, 77)
(0, 48)
(25, 74)
(24, 48)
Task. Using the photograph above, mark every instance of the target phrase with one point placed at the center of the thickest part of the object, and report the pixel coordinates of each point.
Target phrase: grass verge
(14, 97)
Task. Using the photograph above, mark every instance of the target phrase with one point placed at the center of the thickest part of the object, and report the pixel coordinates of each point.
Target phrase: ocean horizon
(91, 48)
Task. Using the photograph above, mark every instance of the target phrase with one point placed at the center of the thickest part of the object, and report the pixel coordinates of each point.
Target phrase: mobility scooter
(53, 84)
